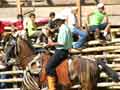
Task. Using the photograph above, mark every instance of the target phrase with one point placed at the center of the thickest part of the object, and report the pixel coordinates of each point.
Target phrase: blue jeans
(83, 37)
(59, 56)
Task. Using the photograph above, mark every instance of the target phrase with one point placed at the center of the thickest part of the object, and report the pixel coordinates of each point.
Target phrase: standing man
(64, 42)
(96, 18)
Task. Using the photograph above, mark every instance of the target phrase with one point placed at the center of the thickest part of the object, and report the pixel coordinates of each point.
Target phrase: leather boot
(51, 83)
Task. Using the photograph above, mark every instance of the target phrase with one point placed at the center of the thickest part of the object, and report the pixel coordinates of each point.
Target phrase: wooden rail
(108, 84)
(12, 72)
(11, 89)
(104, 75)
(11, 80)
(105, 84)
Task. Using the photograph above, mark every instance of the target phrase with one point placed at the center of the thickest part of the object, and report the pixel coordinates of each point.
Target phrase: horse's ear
(18, 46)
(6, 38)
(9, 35)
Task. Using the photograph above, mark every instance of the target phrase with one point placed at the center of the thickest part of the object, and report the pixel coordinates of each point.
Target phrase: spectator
(50, 26)
(18, 25)
(31, 27)
(3, 24)
(73, 24)
(51, 17)
(96, 18)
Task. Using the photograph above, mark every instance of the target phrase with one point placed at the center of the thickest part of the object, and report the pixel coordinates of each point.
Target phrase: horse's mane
(29, 44)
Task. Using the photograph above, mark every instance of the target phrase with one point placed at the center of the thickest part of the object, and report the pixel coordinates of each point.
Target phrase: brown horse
(82, 70)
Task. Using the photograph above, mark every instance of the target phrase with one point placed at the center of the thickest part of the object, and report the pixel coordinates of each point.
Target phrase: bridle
(28, 80)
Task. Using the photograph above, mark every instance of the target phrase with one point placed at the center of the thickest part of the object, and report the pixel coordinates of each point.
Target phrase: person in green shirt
(64, 42)
(31, 27)
(96, 18)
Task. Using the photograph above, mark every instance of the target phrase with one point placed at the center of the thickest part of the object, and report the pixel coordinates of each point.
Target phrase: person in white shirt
(73, 25)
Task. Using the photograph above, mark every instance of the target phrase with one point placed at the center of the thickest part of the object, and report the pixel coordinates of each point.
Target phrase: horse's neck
(26, 49)
(26, 53)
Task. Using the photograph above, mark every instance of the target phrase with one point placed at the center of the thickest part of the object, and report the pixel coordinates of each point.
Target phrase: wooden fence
(15, 79)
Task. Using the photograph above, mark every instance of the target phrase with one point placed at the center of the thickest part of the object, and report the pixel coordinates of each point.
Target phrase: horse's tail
(87, 72)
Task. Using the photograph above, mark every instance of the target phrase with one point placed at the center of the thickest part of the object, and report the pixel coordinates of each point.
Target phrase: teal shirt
(96, 18)
(64, 37)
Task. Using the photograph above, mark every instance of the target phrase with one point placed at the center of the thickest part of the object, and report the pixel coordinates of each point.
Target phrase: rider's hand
(50, 44)
(44, 45)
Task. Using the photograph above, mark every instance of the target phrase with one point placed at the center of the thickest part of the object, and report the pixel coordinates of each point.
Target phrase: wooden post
(79, 16)
(19, 9)
(14, 76)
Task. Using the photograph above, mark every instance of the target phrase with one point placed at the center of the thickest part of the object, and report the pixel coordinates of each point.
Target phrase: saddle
(63, 73)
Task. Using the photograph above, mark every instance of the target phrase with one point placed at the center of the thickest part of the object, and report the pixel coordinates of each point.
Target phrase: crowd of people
(95, 24)
(67, 26)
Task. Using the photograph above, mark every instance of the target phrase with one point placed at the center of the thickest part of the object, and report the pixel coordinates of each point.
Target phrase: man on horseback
(95, 20)
(64, 42)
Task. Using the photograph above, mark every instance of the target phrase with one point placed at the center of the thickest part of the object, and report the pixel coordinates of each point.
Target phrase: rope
(25, 81)
(28, 80)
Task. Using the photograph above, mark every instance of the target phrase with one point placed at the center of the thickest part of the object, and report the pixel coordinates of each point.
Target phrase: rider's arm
(55, 44)
(106, 18)
(51, 43)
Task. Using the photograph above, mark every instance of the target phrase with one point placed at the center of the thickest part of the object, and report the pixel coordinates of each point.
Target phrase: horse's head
(10, 45)
(21, 49)
(18, 48)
